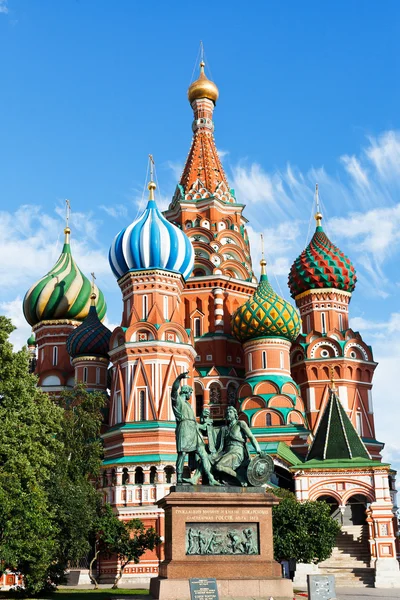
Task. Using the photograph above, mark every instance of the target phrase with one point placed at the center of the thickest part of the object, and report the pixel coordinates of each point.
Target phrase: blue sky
(308, 92)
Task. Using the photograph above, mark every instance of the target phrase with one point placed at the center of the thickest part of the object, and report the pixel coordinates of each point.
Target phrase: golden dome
(203, 88)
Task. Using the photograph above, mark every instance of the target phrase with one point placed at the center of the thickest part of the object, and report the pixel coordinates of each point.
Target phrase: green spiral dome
(265, 314)
(64, 293)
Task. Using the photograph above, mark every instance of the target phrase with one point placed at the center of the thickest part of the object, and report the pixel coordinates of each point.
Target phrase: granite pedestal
(224, 534)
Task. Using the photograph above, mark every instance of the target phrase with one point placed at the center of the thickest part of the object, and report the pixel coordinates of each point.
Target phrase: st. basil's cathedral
(299, 376)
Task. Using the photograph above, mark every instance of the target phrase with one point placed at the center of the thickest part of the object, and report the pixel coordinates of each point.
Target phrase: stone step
(350, 576)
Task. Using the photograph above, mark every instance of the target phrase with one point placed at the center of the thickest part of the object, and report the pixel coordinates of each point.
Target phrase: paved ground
(359, 593)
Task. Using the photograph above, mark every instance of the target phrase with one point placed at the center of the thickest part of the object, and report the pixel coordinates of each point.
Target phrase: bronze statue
(188, 437)
(234, 453)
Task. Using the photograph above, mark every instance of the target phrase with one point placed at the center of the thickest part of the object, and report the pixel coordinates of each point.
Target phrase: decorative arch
(267, 387)
(245, 390)
(280, 402)
(358, 349)
(362, 489)
(259, 419)
(253, 402)
(333, 348)
(295, 418)
(289, 388)
(51, 380)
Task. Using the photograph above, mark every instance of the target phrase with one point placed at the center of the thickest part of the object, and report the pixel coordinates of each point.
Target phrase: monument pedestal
(224, 534)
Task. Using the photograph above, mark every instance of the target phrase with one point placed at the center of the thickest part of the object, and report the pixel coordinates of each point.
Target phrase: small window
(282, 360)
(142, 405)
(128, 308)
(166, 312)
(55, 356)
(264, 359)
(197, 327)
(97, 374)
(340, 322)
(323, 322)
(85, 374)
(250, 362)
(144, 307)
(324, 353)
(229, 358)
(359, 424)
(353, 354)
(125, 476)
(209, 357)
(308, 324)
(268, 420)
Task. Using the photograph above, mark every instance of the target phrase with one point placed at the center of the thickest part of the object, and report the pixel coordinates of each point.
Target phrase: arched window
(55, 356)
(282, 360)
(142, 405)
(250, 362)
(231, 394)
(153, 475)
(359, 424)
(125, 476)
(113, 477)
(169, 471)
(198, 273)
(340, 322)
(215, 394)
(85, 374)
(144, 306)
(268, 420)
(197, 327)
(97, 374)
(105, 479)
(139, 477)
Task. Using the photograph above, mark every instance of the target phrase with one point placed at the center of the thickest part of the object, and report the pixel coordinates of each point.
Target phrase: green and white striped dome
(64, 293)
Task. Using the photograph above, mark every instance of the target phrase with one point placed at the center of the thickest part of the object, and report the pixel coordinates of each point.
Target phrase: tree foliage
(29, 446)
(303, 531)
(127, 540)
(50, 454)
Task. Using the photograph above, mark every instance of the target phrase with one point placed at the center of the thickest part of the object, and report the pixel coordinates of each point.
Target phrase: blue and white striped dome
(151, 242)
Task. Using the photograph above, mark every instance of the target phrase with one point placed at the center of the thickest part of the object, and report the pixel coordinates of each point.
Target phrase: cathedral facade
(298, 374)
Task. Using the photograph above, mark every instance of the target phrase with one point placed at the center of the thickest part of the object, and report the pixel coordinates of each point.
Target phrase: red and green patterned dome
(265, 314)
(91, 338)
(321, 265)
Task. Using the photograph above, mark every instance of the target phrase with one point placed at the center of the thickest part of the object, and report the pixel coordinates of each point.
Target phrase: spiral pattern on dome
(151, 242)
(64, 293)
(91, 338)
(265, 314)
(321, 265)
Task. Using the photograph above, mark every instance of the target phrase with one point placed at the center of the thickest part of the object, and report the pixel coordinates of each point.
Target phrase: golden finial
(263, 262)
(318, 214)
(152, 186)
(67, 230)
(203, 87)
(333, 384)
(93, 294)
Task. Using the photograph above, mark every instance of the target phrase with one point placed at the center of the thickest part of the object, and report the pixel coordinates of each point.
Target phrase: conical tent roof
(336, 438)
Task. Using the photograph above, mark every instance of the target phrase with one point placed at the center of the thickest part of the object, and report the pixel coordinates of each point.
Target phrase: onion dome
(64, 293)
(321, 265)
(31, 341)
(91, 338)
(203, 87)
(151, 242)
(265, 314)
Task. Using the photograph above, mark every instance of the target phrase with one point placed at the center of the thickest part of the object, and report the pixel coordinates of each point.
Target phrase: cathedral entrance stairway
(350, 559)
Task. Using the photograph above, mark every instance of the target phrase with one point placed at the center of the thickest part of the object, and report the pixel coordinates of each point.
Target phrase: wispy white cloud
(355, 170)
(176, 168)
(13, 310)
(222, 153)
(116, 211)
(384, 153)
(4, 7)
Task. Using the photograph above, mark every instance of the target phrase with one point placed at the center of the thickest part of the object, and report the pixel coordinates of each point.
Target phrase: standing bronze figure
(188, 438)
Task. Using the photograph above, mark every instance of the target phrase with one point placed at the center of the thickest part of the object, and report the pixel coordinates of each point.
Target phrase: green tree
(128, 541)
(29, 446)
(303, 531)
(72, 493)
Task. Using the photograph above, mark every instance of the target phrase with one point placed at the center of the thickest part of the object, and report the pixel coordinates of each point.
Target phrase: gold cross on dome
(67, 212)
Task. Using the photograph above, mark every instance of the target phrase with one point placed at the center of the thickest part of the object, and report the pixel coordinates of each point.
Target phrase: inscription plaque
(203, 589)
(321, 587)
(222, 538)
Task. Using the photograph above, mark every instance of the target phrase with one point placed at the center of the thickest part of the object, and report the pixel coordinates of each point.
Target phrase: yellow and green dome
(265, 314)
(64, 293)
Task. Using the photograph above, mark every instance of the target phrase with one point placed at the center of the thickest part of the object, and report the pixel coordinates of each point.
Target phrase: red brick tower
(205, 207)
(321, 281)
